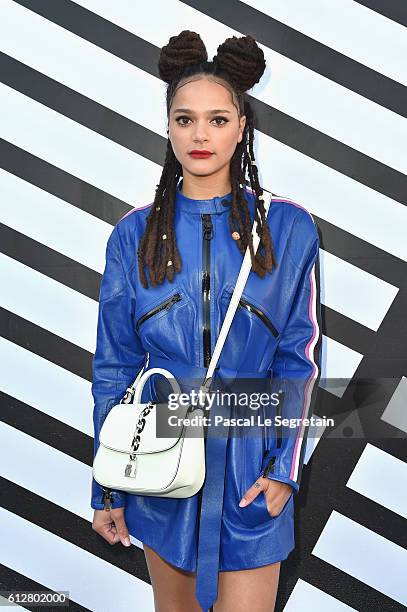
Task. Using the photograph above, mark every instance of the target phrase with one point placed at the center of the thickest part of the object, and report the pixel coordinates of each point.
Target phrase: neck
(205, 187)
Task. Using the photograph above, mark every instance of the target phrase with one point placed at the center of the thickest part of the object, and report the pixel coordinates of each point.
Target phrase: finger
(122, 532)
(252, 493)
(277, 497)
(107, 533)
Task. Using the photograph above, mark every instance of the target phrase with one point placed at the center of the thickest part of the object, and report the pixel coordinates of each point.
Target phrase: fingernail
(243, 502)
(127, 542)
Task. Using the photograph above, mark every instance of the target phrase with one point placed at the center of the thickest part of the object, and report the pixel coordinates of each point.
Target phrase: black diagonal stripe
(373, 516)
(347, 331)
(72, 528)
(10, 580)
(277, 36)
(44, 343)
(152, 146)
(395, 10)
(361, 253)
(344, 587)
(61, 184)
(47, 429)
(323, 488)
(392, 446)
(81, 109)
(308, 52)
(86, 197)
(330, 152)
(87, 282)
(43, 259)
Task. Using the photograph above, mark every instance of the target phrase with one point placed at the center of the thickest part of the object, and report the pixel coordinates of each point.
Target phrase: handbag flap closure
(120, 426)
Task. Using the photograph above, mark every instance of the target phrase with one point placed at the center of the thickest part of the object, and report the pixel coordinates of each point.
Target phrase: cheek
(226, 145)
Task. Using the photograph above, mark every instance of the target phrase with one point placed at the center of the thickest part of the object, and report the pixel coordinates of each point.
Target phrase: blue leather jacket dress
(275, 335)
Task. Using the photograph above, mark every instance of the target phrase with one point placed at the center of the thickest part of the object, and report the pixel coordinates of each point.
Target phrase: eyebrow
(215, 110)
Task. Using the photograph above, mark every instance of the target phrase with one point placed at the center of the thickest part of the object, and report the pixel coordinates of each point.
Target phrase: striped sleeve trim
(311, 351)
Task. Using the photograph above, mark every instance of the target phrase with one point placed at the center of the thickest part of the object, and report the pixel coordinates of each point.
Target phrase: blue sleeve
(119, 354)
(296, 373)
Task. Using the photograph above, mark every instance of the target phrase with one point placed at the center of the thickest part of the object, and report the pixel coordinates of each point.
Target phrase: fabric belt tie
(215, 462)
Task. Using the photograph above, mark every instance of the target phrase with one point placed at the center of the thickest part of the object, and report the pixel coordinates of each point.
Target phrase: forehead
(202, 94)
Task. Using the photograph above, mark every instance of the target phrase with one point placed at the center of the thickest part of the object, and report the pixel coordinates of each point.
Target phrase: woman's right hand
(110, 524)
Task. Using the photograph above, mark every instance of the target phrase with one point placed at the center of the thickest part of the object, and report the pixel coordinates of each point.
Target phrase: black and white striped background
(82, 119)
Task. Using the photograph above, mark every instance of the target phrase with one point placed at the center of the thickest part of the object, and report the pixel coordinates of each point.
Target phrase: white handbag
(131, 457)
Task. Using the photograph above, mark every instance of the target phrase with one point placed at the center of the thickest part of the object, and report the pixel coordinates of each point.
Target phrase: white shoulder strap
(237, 293)
(234, 302)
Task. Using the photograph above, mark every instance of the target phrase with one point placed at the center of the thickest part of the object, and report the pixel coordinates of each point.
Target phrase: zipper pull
(207, 227)
(107, 499)
(269, 467)
(175, 298)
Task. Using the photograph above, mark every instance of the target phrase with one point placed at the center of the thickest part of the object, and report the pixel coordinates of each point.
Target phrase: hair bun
(181, 51)
(242, 59)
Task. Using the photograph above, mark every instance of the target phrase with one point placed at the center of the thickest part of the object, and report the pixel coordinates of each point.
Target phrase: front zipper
(206, 284)
(252, 308)
(107, 498)
(167, 304)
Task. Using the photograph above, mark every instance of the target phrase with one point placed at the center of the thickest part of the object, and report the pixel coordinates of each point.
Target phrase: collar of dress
(218, 204)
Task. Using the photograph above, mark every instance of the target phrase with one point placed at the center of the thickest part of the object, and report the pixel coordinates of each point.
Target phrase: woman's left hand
(276, 492)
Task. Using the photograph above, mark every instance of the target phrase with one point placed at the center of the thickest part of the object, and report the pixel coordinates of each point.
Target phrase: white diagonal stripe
(395, 413)
(356, 550)
(382, 478)
(46, 386)
(85, 154)
(51, 221)
(287, 85)
(92, 582)
(48, 303)
(307, 598)
(357, 294)
(46, 480)
(347, 27)
(82, 237)
(76, 149)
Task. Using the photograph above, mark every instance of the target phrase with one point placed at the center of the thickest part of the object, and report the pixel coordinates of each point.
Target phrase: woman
(191, 240)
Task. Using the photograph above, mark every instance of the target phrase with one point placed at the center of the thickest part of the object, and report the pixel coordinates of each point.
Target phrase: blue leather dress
(275, 336)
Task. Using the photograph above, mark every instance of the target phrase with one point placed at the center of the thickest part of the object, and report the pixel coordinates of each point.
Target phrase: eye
(180, 121)
(221, 119)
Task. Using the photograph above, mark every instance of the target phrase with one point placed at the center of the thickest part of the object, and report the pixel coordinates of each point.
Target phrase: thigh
(174, 588)
(252, 589)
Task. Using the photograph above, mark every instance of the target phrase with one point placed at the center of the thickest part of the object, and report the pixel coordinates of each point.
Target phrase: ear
(242, 123)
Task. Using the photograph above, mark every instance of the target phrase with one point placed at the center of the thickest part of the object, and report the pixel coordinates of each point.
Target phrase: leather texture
(275, 336)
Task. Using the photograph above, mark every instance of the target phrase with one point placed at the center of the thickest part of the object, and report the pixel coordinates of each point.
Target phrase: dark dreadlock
(239, 64)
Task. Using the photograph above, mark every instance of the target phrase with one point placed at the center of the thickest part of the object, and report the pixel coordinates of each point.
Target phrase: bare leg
(174, 588)
(252, 589)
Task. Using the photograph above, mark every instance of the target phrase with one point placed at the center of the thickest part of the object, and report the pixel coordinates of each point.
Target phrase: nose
(200, 132)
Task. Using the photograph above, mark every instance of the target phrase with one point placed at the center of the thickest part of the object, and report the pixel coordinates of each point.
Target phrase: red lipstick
(200, 153)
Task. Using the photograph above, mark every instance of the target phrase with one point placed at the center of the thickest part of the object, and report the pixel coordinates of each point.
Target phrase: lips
(200, 154)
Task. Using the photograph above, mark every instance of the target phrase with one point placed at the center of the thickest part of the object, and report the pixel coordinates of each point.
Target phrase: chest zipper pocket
(259, 313)
(163, 306)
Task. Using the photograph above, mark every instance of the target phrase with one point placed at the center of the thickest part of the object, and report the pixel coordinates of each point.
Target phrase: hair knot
(242, 59)
(183, 50)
